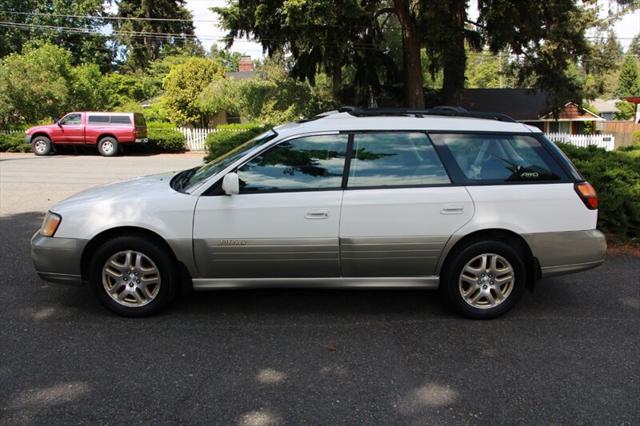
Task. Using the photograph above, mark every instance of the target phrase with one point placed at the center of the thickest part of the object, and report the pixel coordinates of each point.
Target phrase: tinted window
(120, 119)
(314, 162)
(98, 119)
(395, 159)
(503, 158)
(71, 119)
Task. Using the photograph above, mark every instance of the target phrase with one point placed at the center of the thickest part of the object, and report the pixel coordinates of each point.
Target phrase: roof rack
(448, 111)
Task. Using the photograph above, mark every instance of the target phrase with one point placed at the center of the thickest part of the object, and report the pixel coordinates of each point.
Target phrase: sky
(209, 32)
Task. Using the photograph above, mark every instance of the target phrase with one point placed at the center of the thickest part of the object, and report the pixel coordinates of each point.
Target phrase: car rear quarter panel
(547, 216)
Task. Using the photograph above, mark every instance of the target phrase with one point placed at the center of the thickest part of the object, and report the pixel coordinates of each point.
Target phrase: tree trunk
(414, 95)
(336, 82)
(455, 61)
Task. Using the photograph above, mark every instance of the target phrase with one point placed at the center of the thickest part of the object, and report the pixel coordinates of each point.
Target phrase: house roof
(520, 104)
(572, 112)
(605, 105)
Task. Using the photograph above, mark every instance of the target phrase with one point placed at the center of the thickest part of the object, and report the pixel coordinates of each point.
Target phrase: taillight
(587, 194)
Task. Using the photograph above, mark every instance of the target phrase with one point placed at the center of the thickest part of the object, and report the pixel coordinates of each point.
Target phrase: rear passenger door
(399, 207)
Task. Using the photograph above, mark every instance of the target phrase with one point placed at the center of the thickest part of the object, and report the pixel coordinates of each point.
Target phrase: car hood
(120, 192)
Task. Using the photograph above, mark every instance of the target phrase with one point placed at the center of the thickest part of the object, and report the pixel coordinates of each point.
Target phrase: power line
(107, 17)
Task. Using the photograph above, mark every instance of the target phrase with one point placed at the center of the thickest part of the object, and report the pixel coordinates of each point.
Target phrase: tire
(471, 274)
(119, 269)
(108, 147)
(41, 145)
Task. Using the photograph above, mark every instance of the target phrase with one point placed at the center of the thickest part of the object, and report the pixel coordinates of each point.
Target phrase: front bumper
(27, 139)
(562, 253)
(57, 259)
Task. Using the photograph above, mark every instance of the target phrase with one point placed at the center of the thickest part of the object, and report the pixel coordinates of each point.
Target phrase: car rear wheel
(484, 279)
(41, 145)
(133, 277)
(108, 147)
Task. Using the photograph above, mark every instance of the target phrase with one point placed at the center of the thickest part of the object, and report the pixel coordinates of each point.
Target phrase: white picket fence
(602, 141)
(195, 137)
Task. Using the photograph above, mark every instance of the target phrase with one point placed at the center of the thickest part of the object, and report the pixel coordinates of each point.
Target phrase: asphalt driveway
(569, 353)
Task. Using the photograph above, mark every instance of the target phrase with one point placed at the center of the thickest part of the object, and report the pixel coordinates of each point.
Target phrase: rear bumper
(57, 259)
(141, 140)
(566, 252)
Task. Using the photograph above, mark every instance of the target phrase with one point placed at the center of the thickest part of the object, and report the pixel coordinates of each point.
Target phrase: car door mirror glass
(231, 184)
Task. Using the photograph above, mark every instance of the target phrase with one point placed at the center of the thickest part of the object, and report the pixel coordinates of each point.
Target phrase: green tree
(604, 55)
(184, 84)
(321, 36)
(86, 91)
(64, 23)
(545, 36)
(231, 60)
(36, 84)
(634, 47)
(629, 80)
(140, 36)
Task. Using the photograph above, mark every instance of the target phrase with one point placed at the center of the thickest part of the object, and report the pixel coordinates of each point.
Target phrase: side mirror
(231, 184)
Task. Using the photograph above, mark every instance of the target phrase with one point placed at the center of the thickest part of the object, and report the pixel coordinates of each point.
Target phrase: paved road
(569, 353)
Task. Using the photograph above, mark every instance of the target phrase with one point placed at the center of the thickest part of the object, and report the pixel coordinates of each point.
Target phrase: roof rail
(448, 111)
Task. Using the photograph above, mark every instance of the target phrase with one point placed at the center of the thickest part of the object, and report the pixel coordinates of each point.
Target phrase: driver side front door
(284, 223)
(70, 129)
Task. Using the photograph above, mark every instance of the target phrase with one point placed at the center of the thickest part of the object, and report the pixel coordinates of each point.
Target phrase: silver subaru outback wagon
(474, 204)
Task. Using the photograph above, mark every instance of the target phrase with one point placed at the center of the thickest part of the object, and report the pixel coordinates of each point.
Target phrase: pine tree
(629, 81)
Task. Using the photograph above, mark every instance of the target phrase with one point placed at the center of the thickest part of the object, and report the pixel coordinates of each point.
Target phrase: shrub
(164, 137)
(13, 142)
(229, 136)
(616, 177)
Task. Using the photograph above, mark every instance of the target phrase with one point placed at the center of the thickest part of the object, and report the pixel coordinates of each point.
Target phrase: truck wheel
(41, 145)
(108, 147)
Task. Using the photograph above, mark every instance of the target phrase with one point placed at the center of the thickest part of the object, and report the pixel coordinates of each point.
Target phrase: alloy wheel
(131, 278)
(486, 281)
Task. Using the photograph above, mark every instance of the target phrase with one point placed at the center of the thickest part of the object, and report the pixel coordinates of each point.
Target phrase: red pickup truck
(108, 130)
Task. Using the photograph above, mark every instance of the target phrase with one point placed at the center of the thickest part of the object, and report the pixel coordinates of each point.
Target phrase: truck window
(71, 119)
(98, 119)
(120, 119)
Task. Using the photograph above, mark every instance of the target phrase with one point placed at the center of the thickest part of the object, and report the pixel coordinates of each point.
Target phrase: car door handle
(317, 214)
(452, 209)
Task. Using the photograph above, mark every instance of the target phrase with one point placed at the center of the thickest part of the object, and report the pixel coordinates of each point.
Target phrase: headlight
(50, 224)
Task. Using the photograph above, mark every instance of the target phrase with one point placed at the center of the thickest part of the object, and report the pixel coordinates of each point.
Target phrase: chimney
(246, 64)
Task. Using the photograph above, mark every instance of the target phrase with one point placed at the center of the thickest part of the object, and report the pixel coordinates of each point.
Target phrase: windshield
(200, 174)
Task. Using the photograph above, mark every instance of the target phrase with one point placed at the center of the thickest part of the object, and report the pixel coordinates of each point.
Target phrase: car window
(71, 119)
(312, 162)
(395, 159)
(120, 119)
(500, 158)
(98, 119)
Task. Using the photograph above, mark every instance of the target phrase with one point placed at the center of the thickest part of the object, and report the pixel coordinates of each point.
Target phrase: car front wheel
(484, 279)
(133, 277)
